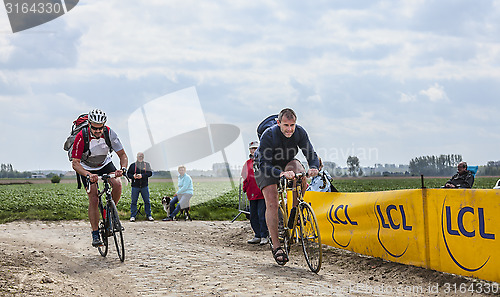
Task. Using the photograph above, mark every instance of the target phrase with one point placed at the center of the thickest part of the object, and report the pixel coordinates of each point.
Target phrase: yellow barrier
(449, 230)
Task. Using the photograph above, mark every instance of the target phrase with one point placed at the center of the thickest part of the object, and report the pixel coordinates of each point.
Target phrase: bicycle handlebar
(297, 176)
(105, 177)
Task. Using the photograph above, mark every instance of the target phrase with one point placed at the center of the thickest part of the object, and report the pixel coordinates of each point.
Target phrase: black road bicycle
(109, 225)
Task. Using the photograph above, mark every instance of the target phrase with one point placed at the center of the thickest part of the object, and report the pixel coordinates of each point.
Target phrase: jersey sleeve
(115, 141)
(78, 146)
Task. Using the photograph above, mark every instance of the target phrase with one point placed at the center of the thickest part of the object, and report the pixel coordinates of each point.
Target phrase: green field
(213, 200)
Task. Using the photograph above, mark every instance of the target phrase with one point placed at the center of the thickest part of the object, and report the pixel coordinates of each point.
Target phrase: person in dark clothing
(275, 157)
(139, 172)
(462, 179)
(254, 195)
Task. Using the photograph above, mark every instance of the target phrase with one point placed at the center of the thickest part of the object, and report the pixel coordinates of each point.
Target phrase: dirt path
(191, 259)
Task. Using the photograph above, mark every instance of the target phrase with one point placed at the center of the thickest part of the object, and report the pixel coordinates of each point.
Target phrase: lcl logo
(391, 218)
(25, 14)
(453, 227)
(389, 223)
(460, 223)
(339, 215)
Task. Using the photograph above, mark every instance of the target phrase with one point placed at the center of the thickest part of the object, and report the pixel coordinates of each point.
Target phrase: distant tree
(329, 166)
(353, 165)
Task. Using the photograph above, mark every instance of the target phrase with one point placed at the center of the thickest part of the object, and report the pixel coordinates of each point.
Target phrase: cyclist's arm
(77, 166)
(307, 149)
(130, 171)
(266, 154)
(123, 162)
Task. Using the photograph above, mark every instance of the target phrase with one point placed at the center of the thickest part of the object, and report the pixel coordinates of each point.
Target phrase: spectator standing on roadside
(256, 198)
(139, 172)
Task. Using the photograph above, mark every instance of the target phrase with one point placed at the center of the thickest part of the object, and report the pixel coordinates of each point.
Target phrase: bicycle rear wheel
(310, 237)
(117, 231)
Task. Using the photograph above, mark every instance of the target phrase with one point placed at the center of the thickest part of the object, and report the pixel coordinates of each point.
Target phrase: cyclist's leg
(116, 192)
(272, 203)
(133, 204)
(116, 185)
(296, 167)
(93, 207)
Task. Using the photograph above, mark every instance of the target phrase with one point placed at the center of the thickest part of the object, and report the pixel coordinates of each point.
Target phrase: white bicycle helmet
(97, 116)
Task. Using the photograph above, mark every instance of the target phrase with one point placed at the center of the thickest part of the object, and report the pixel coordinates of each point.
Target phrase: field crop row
(213, 200)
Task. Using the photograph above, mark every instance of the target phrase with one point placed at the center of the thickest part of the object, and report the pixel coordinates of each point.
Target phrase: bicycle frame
(283, 204)
(304, 227)
(110, 224)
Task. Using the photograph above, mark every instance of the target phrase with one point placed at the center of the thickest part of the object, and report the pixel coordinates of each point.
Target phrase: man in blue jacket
(275, 157)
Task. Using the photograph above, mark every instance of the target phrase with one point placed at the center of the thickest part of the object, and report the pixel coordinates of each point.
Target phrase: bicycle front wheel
(117, 231)
(310, 237)
(103, 249)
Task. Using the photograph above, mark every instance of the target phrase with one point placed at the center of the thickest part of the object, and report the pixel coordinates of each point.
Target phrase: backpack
(266, 123)
(81, 124)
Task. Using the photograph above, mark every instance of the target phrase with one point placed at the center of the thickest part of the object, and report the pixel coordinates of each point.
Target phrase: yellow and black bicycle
(300, 225)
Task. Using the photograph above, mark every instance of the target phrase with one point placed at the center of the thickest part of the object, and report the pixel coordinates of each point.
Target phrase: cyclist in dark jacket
(275, 157)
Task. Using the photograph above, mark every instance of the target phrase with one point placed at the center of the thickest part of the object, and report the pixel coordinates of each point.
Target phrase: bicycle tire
(283, 232)
(117, 231)
(310, 237)
(103, 250)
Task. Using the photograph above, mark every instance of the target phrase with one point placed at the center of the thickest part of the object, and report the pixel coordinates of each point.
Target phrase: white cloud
(435, 93)
(407, 98)
(349, 60)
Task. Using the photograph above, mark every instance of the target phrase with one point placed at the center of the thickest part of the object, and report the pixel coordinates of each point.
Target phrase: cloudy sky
(384, 80)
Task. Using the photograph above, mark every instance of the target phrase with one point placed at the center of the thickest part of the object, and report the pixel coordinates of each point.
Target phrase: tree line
(7, 171)
(442, 165)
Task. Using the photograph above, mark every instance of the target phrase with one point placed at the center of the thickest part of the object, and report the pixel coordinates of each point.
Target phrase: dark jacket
(465, 180)
(276, 150)
(140, 168)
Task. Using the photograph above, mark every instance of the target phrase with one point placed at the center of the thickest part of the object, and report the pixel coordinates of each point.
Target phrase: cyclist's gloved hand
(288, 174)
(312, 172)
(93, 177)
(120, 172)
